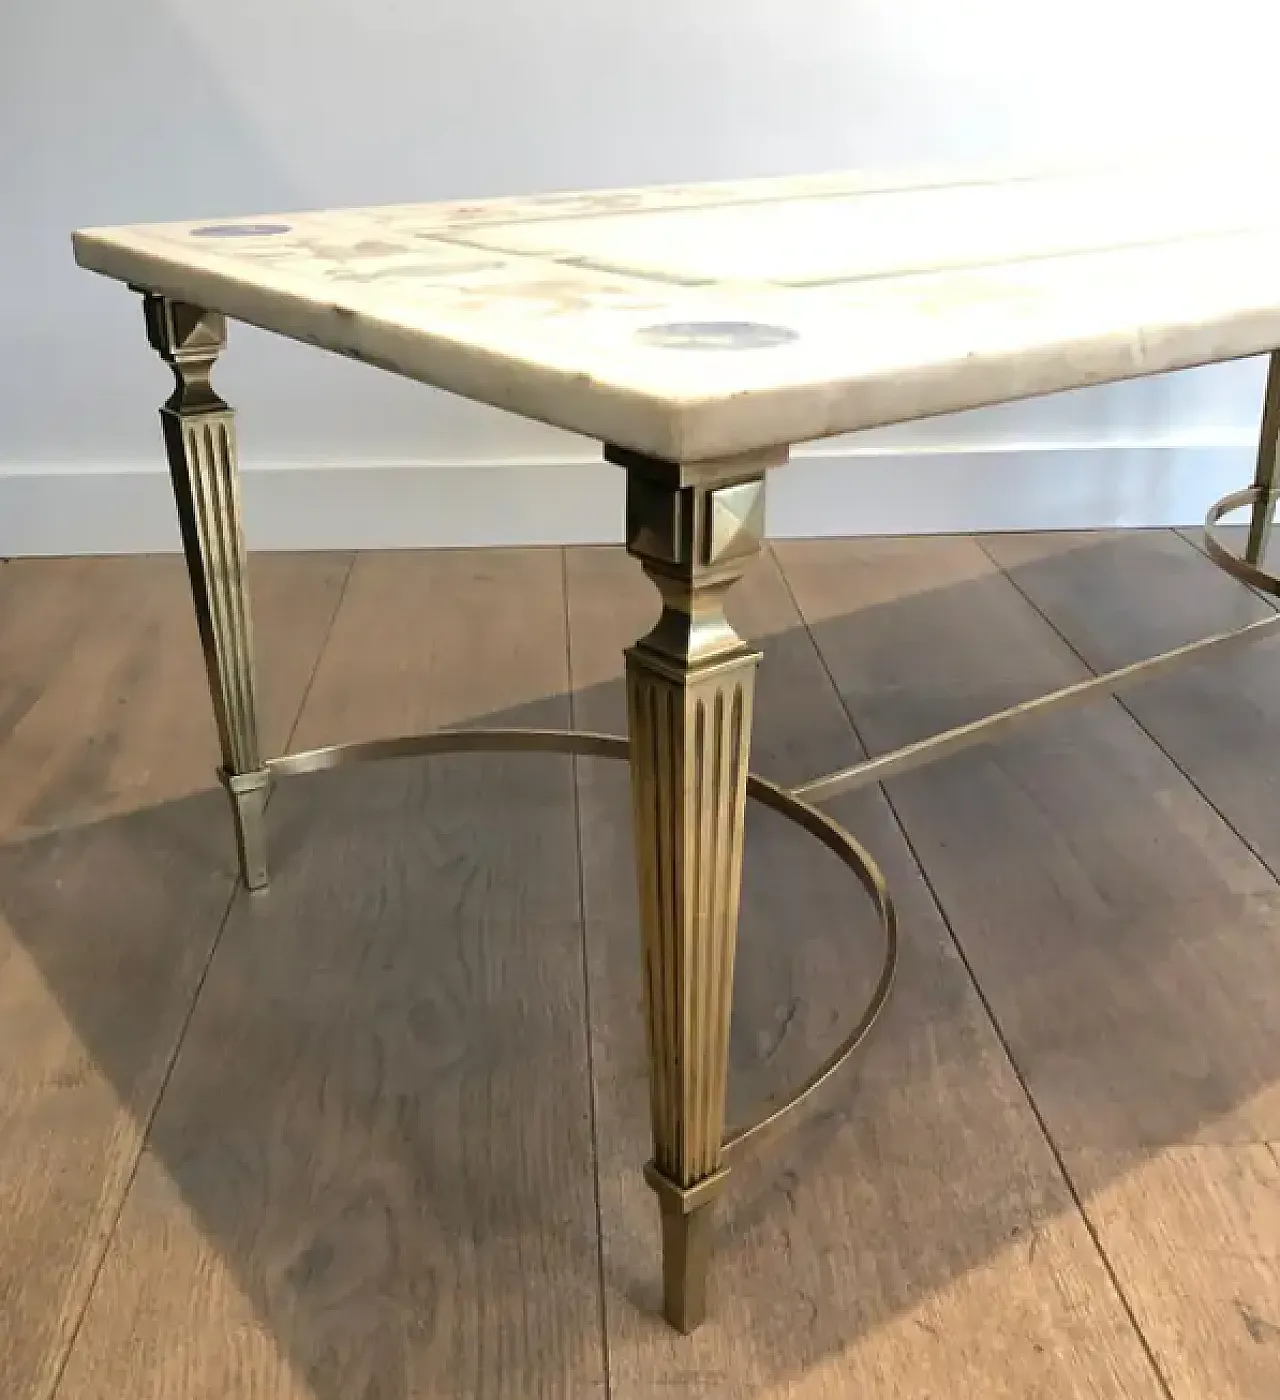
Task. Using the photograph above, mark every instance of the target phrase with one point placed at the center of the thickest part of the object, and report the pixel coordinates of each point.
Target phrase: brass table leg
(199, 437)
(689, 692)
(1264, 477)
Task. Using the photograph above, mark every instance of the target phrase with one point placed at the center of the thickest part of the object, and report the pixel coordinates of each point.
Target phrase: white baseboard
(375, 506)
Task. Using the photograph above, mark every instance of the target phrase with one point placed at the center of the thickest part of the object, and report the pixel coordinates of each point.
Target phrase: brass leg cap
(248, 793)
(688, 1223)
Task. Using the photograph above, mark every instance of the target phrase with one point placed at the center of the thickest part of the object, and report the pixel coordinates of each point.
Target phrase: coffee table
(698, 332)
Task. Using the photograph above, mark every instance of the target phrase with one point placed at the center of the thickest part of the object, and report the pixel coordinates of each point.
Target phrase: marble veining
(716, 335)
(694, 321)
(239, 230)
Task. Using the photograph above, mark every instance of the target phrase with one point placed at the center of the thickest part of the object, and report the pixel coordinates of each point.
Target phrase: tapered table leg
(689, 687)
(199, 436)
(1265, 475)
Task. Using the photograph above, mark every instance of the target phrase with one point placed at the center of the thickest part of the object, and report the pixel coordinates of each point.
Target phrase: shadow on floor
(380, 1118)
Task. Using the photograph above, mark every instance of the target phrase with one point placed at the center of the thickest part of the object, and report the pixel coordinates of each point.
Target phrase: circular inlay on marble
(716, 335)
(238, 230)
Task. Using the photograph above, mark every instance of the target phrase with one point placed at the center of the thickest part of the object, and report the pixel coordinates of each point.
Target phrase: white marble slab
(698, 321)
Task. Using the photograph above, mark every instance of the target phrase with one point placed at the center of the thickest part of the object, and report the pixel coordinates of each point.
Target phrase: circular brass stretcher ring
(1226, 558)
(569, 741)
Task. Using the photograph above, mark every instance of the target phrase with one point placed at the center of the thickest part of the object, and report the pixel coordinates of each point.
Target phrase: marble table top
(705, 320)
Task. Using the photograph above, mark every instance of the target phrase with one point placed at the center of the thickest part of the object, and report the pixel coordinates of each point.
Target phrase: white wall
(132, 110)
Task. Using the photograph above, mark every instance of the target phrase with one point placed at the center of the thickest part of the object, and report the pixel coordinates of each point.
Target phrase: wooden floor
(375, 1135)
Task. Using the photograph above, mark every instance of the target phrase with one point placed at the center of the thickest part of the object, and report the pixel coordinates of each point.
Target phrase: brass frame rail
(1261, 499)
(983, 731)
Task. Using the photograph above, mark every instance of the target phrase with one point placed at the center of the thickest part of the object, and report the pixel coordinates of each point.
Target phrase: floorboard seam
(1198, 546)
(55, 1383)
(586, 984)
(1142, 728)
(1123, 704)
(990, 1013)
(144, 1136)
(320, 651)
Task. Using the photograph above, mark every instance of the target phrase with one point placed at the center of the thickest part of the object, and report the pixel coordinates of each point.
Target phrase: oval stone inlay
(238, 230)
(716, 335)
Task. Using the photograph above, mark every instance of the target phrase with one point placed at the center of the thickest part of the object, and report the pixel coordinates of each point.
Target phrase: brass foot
(688, 1222)
(248, 793)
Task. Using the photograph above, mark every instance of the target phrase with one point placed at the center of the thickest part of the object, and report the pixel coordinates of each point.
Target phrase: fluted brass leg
(689, 685)
(1265, 475)
(199, 436)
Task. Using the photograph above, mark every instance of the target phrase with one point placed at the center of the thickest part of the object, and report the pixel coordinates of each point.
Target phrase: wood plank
(1194, 1236)
(1119, 929)
(914, 1237)
(371, 1173)
(1234, 533)
(1116, 598)
(95, 657)
(115, 873)
(1200, 1226)
(1119, 597)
